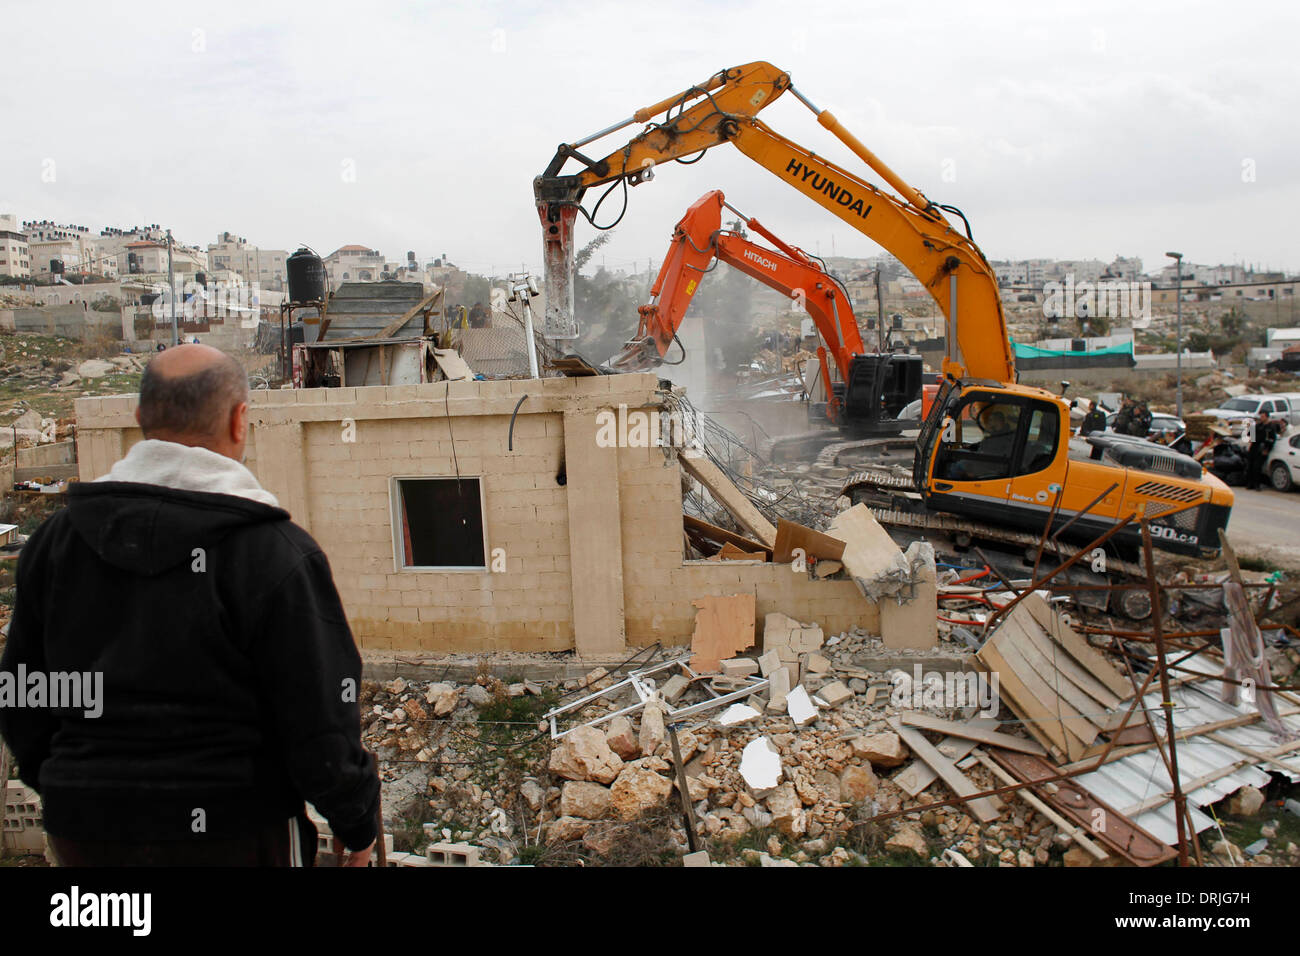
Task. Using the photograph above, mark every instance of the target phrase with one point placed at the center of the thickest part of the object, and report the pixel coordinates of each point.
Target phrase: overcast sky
(1069, 130)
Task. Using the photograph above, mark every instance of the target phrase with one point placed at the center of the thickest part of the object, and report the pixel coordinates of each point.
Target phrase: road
(1266, 524)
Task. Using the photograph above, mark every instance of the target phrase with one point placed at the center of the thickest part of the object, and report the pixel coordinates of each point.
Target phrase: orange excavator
(995, 454)
(868, 390)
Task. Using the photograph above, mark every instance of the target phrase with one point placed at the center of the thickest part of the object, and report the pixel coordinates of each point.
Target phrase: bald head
(195, 395)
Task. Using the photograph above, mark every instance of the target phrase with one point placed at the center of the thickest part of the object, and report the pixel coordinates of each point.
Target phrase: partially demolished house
(504, 515)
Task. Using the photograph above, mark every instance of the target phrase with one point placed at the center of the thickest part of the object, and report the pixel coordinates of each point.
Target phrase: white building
(266, 267)
(68, 247)
(354, 264)
(15, 257)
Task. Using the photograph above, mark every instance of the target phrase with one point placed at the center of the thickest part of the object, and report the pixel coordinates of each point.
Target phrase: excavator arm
(698, 240)
(724, 109)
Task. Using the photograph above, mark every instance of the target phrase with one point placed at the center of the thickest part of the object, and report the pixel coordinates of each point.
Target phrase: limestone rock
(443, 697)
(533, 794)
(883, 750)
(858, 784)
(584, 754)
(621, 738)
(908, 839)
(579, 798)
(478, 695)
(788, 814)
(638, 789)
(1246, 802)
(567, 829)
(95, 368)
(652, 729)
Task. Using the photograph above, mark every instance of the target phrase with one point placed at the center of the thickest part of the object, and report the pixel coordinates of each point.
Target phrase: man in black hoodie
(229, 674)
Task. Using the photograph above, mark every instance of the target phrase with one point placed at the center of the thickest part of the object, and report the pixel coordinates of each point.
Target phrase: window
(994, 437)
(438, 523)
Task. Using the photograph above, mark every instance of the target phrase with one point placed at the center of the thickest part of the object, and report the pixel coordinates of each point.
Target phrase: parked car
(1285, 406)
(1160, 424)
(1283, 465)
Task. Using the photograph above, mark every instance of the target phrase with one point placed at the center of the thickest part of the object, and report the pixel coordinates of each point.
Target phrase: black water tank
(201, 278)
(306, 276)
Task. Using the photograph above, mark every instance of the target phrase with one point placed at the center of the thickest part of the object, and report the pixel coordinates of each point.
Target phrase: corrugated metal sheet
(361, 309)
(1130, 782)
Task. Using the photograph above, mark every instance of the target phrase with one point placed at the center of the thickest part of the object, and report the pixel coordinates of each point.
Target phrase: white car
(1283, 465)
(1284, 406)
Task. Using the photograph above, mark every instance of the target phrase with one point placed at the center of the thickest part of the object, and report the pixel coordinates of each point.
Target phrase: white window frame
(395, 520)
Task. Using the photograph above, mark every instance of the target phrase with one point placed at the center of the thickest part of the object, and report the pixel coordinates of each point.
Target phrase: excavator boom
(724, 109)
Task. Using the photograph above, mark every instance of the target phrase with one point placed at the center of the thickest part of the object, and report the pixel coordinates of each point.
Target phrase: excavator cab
(878, 388)
(993, 452)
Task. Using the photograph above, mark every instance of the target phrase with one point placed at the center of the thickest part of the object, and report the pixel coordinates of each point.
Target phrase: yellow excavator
(992, 454)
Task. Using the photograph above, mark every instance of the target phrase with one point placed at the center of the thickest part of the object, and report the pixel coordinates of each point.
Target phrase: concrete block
(814, 664)
(834, 693)
(452, 854)
(739, 667)
(674, 687)
(698, 858)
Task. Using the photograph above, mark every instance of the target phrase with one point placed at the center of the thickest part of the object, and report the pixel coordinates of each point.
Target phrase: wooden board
(1071, 670)
(918, 774)
(724, 626)
(1041, 725)
(725, 493)
(711, 532)
(1081, 650)
(814, 544)
(453, 366)
(1048, 668)
(980, 734)
(984, 809)
(1080, 732)
(408, 315)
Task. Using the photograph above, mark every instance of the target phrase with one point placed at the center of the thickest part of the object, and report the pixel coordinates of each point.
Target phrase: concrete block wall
(593, 564)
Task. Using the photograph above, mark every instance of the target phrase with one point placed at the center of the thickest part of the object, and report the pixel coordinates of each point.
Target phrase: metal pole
(1178, 395)
(171, 289)
(532, 343)
(683, 788)
(1166, 702)
(880, 312)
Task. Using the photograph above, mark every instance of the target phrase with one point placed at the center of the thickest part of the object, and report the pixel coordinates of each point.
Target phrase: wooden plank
(408, 315)
(814, 544)
(724, 626)
(1020, 634)
(721, 535)
(702, 469)
(1080, 732)
(918, 775)
(980, 734)
(1083, 652)
(1066, 663)
(453, 366)
(1041, 723)
(983, 809)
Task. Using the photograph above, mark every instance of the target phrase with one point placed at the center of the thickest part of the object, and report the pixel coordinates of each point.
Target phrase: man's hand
(352, 857)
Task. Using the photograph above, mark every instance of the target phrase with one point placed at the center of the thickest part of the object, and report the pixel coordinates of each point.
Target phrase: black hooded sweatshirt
(230, 677)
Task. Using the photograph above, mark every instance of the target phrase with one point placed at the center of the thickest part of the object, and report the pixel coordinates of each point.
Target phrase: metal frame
(646, 692)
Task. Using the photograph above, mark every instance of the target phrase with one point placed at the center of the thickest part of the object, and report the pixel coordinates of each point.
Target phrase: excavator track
(885, 483)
